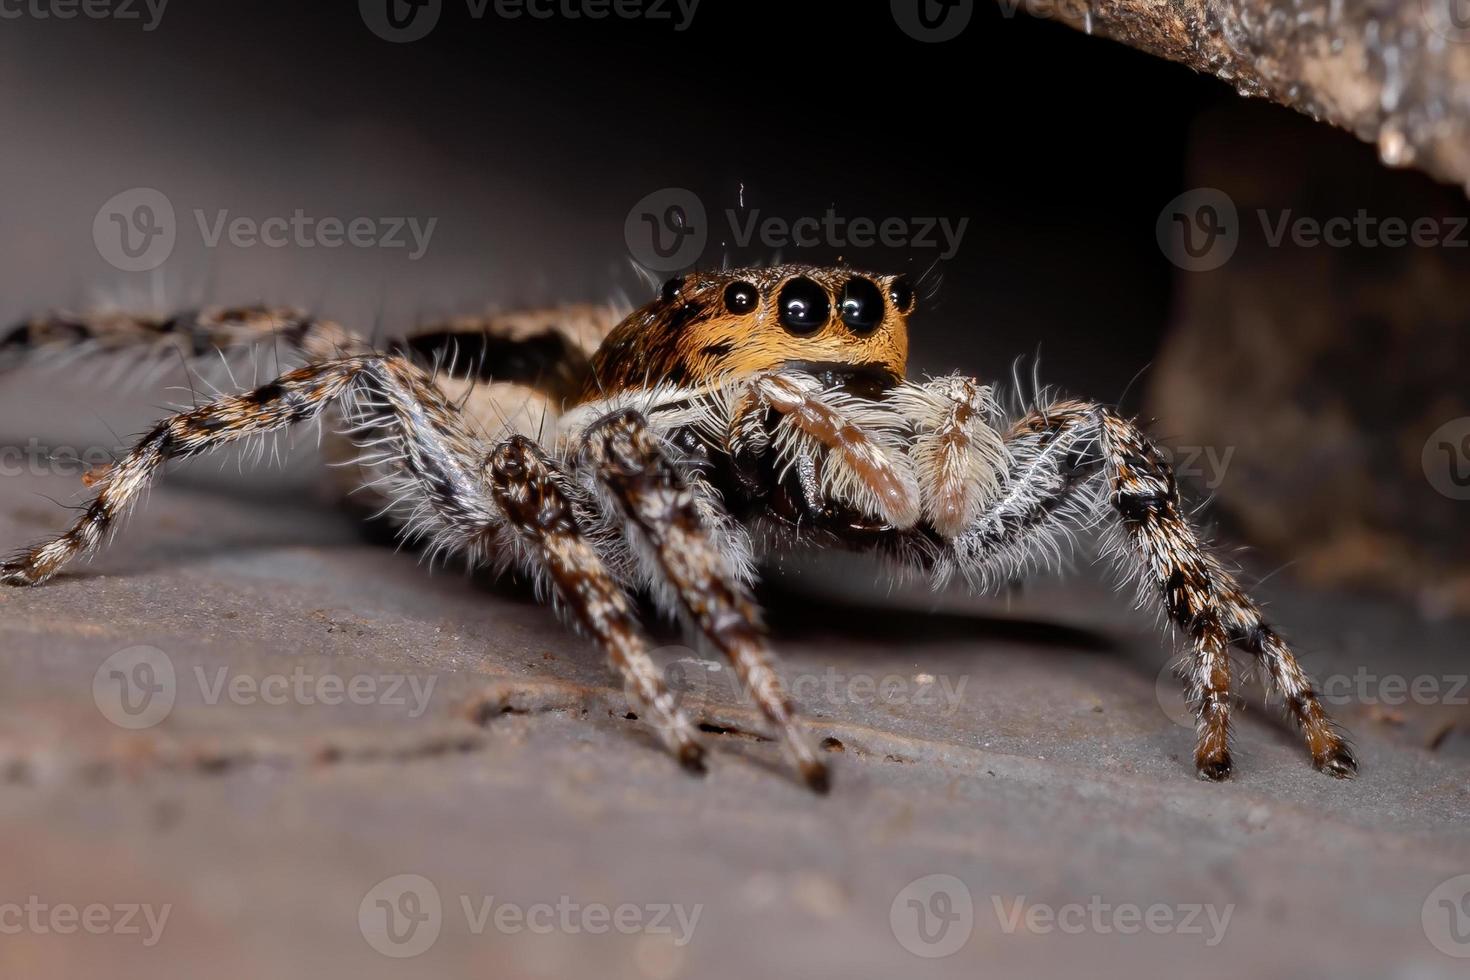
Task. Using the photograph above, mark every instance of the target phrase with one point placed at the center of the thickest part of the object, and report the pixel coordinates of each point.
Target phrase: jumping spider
(737, 412)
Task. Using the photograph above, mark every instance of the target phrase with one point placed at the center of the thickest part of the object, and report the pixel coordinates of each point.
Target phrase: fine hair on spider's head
(706, 326)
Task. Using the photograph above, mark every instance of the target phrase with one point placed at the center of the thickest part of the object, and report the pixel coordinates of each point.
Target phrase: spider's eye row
(861, 305)
(902, 295)
(803, 306)
(741, 297)
(671, 289)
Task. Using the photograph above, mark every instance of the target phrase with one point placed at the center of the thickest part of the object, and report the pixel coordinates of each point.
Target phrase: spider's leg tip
(17, 573)
(1216, 770)
(691, 757)
(817, 776)
(1339, 763)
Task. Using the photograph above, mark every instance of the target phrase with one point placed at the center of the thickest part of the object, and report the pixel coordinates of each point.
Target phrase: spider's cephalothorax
(704, 328)
(664, 451)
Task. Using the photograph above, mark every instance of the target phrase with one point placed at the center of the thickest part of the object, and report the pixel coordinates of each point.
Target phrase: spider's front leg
(536, 498)
(681, 550)
(1059, 454)
(958, 455)
(857, 440)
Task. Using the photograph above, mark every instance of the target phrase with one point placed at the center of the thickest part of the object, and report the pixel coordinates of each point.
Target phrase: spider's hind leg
(297, 396)
(457, 498)
(201, 335)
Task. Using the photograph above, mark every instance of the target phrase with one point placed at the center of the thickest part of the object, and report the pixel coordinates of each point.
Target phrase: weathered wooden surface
(1394, 72)
(1057, 774)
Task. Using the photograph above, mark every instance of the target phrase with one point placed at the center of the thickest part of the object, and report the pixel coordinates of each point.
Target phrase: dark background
(530, 140)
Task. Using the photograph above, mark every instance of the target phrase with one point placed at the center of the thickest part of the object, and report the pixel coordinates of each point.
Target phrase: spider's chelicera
(737, 412)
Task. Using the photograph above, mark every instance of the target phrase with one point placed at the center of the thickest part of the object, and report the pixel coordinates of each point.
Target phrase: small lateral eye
(902, 295)
(671, 289)
(861, 305)
(804, 307)
(741, 297)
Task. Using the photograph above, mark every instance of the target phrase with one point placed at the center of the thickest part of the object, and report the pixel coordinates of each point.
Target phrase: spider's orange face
(710, 325)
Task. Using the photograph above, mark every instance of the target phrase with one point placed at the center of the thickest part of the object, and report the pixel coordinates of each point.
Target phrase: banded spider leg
(1075, 461)
(513, 500)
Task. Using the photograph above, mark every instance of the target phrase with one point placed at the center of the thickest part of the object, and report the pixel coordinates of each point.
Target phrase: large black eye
(671, 289)
(902, 295)
(804, 306)
(861, 305)
(741, 297)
